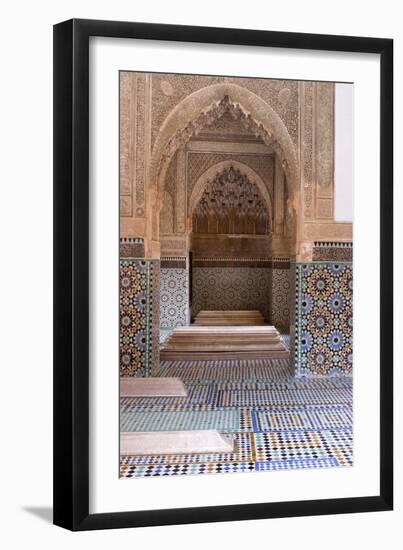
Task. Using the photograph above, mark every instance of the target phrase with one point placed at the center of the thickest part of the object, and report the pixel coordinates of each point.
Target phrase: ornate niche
(231, 204)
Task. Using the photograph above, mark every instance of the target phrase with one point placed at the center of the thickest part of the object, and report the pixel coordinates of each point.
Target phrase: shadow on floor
(45, 513)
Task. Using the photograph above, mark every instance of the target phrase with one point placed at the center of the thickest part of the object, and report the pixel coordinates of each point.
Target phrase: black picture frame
(71, 274)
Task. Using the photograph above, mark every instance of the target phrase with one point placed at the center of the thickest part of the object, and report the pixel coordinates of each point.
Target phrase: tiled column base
(280, 294)
(139, 316)
(174, 293)
(323, 318)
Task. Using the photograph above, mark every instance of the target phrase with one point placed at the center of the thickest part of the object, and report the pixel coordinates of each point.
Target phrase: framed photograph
(223, 299)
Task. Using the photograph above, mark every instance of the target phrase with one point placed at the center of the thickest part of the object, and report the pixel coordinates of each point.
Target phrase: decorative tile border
(324, 319)
(333, 244)
(231, 262)
(178, 262)
(277, 263)
(280, 263)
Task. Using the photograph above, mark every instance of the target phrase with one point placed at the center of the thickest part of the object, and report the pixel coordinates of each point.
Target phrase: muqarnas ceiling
(231, 204)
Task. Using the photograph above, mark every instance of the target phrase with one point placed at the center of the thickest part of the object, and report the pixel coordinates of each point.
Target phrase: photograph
(236, 274)
(201, 228)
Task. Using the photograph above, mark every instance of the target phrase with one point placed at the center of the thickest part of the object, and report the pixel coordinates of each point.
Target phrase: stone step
(223, 342)
(229, 314)
(206, 332)
(225, 322)
(215, 339)
(235, 317)
(258, 329)
(212, 339)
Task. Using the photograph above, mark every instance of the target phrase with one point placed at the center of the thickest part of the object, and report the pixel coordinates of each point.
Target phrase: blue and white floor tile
(277, 422)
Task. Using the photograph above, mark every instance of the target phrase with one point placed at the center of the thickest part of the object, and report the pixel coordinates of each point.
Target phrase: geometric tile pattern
(340, 417)
(174, 297)
(289, 445)
(227, 370)
(324, 318)
(280, 303)
(231, 288)
(277, 421)
(156, 421)
(137, 278)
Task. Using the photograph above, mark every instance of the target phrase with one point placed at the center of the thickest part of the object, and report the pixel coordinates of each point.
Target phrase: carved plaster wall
(169, 90)
(203, 108)
(167, 214)
(295, 120)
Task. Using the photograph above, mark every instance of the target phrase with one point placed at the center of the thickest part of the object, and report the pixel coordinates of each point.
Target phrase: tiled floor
(277, 422)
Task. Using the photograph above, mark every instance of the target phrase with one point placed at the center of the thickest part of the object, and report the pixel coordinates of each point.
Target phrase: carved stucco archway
(218, 168)
(199, 110)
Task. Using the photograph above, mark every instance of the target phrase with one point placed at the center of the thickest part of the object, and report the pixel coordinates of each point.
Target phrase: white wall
(344, 152)
(26, 248)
